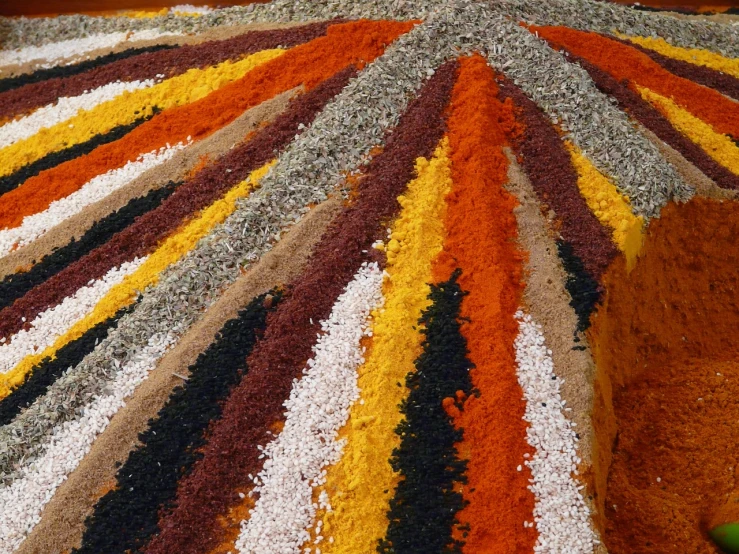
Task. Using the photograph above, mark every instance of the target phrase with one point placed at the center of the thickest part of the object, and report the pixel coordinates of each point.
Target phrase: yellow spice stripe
(126, 108)
(610, 207)
(361, 484)
(122, 294)
(720, 147)
(696, 56)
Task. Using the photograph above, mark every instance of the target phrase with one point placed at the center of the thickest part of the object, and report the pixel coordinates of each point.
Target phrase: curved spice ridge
(720, 147)
(149, 64)
(646, 114)
(232, 453)
(423, 509)
(549, 167)
(610, 207)
(171, 250)
(308, 64)
(481, 241)
(184, 89)
(197, 193)
(360, 485)
(696, 56)
(727, 85)
(625, 62)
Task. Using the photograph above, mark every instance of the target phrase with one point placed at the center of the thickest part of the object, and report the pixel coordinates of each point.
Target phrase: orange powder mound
(482, 242)
(625, 62)
(666, 411)
(356, 43)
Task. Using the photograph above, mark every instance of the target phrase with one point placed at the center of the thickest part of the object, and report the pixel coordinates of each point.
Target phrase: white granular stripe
(561, 516)
(190, 9)
(22, 502)
(54, 322)
(76, 47)
(63, 109)
(36, 225)
(318, 407)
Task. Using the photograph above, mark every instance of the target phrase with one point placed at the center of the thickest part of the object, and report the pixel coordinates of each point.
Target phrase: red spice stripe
(481, 240)
(150, 64)
(549, 166)
(725, 84)
(629, 101)
(148, 230)
(308, 64)
(626, 62)
(256, 404)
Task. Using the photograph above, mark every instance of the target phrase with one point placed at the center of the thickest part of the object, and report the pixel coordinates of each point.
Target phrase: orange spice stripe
(624, 62)
(308, 64)
(481, 241)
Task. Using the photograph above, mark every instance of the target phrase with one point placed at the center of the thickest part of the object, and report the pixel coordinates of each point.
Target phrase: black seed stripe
(39, 75)
(46, 372)
(14, 180)
(16, 285)
(422, 513)
(584, 290)
(127, 516)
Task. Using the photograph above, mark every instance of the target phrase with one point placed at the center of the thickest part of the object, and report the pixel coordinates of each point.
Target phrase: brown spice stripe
(725, 84)
(179, 167)
(197, 193)
(256, 405)
(549, 166)
(62, 521)
(630, 101)
(148, 65)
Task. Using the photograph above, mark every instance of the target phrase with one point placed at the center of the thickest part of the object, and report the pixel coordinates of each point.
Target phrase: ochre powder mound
(667, 389)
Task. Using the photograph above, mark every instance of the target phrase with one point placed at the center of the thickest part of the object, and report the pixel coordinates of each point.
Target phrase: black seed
(422, 514)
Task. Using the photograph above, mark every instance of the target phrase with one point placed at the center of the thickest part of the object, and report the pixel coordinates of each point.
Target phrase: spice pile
(368, 277)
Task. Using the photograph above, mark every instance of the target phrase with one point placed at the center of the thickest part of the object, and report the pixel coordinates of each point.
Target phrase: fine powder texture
(665, 413)
(481, 241)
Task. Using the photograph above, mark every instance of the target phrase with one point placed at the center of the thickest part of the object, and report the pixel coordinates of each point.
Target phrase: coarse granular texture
(696, 56)
(481, 241)
(62, 526)
(64, 71)
(725, 84)
(625, 62)
(548, 165)
(168, 63)
(183, 165)
(693, 176)
(204, 188)
(179, 91)
(231, 454)
(662, 333)
(126, 517)
(720, 147)
(360, 484)
(423, 509)
(630, 101)
(610, 207)
(546, 298)
(53, 159)
(583, 288)
(18, 284)
(307, 64)
(43, 374)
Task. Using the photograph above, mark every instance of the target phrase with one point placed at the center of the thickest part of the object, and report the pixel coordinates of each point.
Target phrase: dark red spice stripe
(169, 62)
(630, 101)
(203, 189)
(725, 84)
(549, 166)
(9, 83)
(256, 404)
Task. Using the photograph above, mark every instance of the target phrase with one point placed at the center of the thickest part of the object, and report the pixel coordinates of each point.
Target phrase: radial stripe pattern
(354, 277)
